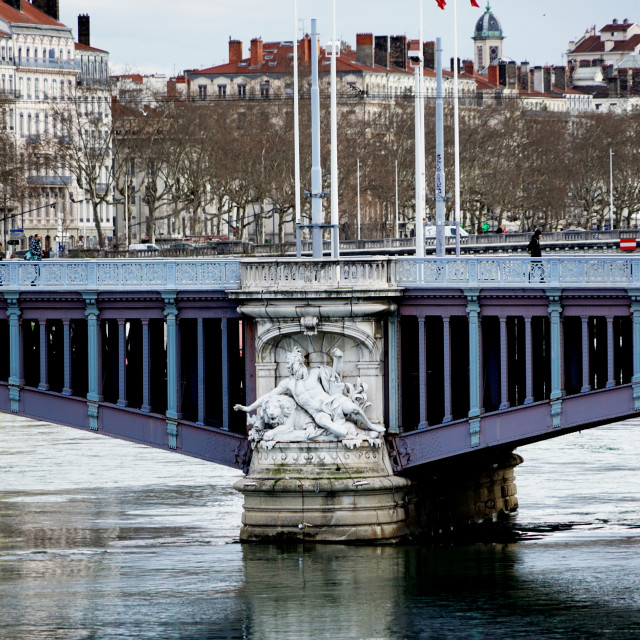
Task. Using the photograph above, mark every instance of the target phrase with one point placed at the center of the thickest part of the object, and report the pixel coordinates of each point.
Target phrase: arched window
(36, 88)
(54, 88)
(45, 87)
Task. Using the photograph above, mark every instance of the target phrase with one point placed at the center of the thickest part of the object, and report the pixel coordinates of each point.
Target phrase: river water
(101, 540)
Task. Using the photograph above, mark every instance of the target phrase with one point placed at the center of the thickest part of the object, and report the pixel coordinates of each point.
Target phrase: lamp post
(610, 189)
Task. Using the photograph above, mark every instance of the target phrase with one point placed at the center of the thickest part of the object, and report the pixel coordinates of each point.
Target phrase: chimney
(84, 29)
(502, 74)
(381, 51)
(256, 52)
(451, 65)
(613, 87)
(538, 81)
(547, 79)
(235, 51)
(468, 66)
(304, 50)
(524, 76)
(560, 77)
(16, 4)
(398, 52)
(50, 7)
(494, 74)
(429, 54)
(364, 49)
(512, 75)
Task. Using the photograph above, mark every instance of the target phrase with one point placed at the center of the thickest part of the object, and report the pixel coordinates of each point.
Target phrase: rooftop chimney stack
(398, 52)
(50, 7)
(16, 4)
(364, 49)
(235, 51)
(381, 49)
(84, 29)
(256, 52)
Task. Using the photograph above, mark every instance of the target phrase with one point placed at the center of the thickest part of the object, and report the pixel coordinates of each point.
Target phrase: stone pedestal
(324, 492)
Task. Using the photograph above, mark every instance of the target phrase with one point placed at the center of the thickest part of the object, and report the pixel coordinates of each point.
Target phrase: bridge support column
(529, 363)
(44, 357)
(15, 349)
(146, 402)
(611, 381)
(585, 355)
(93, 357)
(473, 312)
(201, 371)
(225, 372)
(66, 323)
(422, 374)
(504, 365)
(173, 375)
(122, 363)
(555, 309)
(446, 341)
(392, 331)
(635, 320)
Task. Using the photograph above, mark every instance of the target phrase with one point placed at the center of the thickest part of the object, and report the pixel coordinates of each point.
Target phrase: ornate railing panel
(510, 271)
(152, 273)
(295, 274)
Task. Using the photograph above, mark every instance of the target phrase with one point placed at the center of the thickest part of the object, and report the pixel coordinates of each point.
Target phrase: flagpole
(456, 130)
(296, 131)
(335, 218)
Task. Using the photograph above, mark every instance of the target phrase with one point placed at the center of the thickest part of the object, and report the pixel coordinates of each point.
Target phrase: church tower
(487, 39)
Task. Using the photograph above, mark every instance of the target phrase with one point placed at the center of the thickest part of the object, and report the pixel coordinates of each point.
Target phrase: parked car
(182, 246)
(20, 253)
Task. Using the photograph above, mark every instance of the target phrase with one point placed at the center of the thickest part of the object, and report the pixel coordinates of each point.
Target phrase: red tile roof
(86, 47)
(28, 15)
(621, 26)
(278, 58)
(589, 45)
(627, 45)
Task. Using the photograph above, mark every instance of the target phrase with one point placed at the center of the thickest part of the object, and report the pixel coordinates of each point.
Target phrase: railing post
(473, 313)
(555, 309)
(15, 348)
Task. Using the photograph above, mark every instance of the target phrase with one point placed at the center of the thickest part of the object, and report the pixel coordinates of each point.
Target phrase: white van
(143, 247)
(449, 231)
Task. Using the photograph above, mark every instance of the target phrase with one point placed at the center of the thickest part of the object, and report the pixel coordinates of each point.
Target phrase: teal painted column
(635, 333)
(504, 364)
(171, 320)
(422, 374)
(446, 348)
(15, 348)
(555, 309)
(201, 371)
(44, 357)
(93, 357)
(611, 380)
(392, 384)
(146, 402)
(224, 330)
(473, 315)
(122, 363)
(584, 320)
(66, 323)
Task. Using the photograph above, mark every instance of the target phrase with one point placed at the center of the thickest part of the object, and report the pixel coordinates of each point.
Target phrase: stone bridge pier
(333, 481)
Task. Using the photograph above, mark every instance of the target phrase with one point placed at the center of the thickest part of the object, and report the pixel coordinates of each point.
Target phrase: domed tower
(487, 38)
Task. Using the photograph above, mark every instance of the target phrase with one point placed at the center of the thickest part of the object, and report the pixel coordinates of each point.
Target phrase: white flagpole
(296, 130)
(456, 130)
(335, 219)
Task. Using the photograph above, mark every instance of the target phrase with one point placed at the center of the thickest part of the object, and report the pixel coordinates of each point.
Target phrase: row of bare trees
(208, 161)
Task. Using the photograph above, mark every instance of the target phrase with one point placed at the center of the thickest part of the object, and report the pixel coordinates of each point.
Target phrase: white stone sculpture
(312, 405)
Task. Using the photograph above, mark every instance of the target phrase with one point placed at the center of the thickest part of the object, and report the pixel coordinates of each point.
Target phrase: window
(45, 87)
(21, 124)
(3, 52)
(264, 89)
(28, 88)
(2, 85)
(69, 89)
(54, 89)
(242, 91)
(10, 53)
(35, 53)
(222, 91)
(36, 89)
(202, 91)
(28, 52)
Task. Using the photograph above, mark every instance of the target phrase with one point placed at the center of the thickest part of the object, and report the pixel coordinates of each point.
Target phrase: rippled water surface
(101, 539)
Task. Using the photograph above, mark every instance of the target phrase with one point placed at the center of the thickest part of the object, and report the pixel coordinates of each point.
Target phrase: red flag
(443, 3)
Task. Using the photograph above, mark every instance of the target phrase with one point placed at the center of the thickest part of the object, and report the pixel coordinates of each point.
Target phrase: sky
(163, 36)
